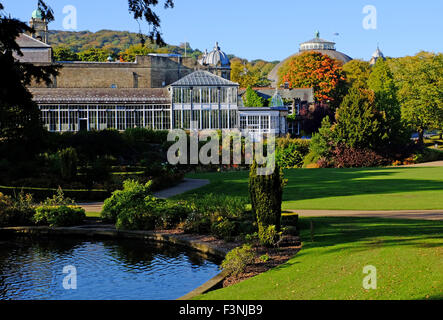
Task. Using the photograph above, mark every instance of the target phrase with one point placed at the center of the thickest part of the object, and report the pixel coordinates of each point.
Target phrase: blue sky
(270, 30)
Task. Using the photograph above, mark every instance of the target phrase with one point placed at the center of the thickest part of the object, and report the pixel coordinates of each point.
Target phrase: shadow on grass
(305, 184)
(321, 183)
(363, 233)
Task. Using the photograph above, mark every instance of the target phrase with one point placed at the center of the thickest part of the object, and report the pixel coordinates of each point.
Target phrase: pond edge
(200, 246)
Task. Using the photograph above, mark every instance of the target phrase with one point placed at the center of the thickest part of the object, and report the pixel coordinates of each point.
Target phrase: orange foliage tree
(315, 70)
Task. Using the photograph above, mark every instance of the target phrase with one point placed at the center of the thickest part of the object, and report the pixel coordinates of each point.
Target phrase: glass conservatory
(202, 101)
(265, 120)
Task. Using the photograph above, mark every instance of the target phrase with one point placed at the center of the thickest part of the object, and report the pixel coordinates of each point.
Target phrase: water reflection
(124, 269)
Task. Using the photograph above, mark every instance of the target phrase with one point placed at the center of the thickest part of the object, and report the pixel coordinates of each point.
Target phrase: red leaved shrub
(347, 157)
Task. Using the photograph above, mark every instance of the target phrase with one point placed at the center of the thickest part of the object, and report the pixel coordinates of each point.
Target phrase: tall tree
(20, 126)
(382, 82)
(242, 73)
(358, 122)
(357, 73)
(420, 82)
(320, 72)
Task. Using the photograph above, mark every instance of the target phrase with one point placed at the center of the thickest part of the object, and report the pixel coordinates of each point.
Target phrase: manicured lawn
(93, 214)
(408, 255)
(344, 189)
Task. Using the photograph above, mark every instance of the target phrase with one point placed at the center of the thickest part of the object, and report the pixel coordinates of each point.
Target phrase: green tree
(137, 50)
(94, 55)
(266, 193)
(252, 99)
(382, 82)
(63, 53)
(420, 82)
(358, 122)
(242, 73)
(20, 128)
(357, 73)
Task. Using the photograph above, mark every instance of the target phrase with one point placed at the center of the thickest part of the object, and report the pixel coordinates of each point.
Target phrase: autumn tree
(315, 70)
(241, 72)
(420, 82)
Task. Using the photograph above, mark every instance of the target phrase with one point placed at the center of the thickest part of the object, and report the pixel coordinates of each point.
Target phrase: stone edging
(142, 235)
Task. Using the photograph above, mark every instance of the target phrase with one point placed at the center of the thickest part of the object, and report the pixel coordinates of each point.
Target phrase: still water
(117, 270)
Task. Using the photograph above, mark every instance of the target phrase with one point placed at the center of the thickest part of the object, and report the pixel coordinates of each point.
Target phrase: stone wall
(146, 72)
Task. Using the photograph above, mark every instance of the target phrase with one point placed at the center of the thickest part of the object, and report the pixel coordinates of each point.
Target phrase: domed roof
(216, 58)
(318, 45)
(376, 55)
(37, 14)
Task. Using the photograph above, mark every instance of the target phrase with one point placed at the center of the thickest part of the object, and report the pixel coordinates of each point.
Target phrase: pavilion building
(157, 91)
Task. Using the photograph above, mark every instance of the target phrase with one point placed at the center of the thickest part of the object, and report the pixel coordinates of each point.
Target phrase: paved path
(402, 214)
(426, 164)
(186, 185)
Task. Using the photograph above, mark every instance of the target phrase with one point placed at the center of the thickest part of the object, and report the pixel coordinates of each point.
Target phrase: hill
(115, 41)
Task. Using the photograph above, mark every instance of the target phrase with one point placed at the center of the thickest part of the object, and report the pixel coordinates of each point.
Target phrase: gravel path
(401, 214)
(427, 164)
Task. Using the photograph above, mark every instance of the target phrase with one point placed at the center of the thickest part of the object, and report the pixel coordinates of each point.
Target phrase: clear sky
(270, 30)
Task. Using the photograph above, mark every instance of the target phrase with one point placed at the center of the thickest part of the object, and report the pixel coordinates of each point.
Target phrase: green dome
(37, 14)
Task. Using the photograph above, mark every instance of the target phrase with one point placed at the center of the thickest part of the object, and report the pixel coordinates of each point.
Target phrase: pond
(50, 269)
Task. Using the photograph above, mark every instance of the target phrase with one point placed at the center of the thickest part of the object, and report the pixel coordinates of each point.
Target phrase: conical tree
(266, 192)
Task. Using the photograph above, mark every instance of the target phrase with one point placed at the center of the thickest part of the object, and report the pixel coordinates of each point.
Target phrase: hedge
(40, 194)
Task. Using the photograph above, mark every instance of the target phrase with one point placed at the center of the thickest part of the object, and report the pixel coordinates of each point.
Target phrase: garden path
(401, 214)
(186, 185)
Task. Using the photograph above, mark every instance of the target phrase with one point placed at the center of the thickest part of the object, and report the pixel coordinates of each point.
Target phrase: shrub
(428, 155)
(134, 208)
(68, 163)
(141, 216)
(268, 235)
(58, 199)
(171, 214)
(238, 259)
(59, 215)
(223, 216)
(224, 229)
(132, 195)
(347, 157)
(17, 211)
(291, 152)
(266, 193)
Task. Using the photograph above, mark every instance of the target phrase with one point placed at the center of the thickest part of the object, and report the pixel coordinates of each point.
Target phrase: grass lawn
(93, 214)
(408, 255)
(393, 188)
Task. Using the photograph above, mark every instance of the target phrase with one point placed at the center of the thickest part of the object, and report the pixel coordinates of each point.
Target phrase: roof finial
(216, 46)
(317, 34)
